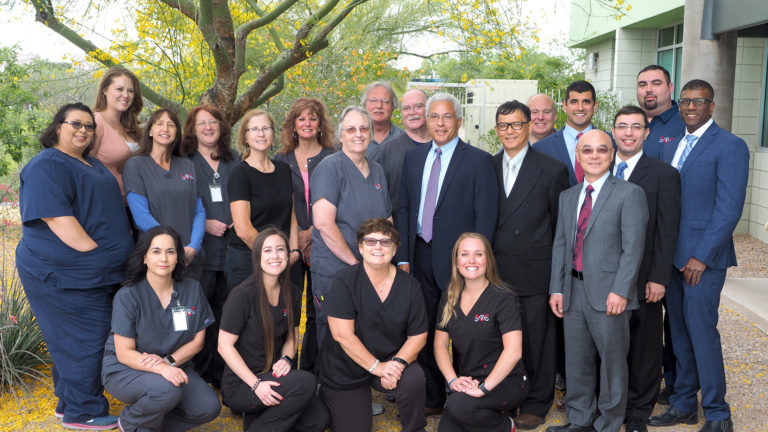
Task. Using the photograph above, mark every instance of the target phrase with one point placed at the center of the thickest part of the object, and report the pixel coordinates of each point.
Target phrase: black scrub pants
(309, 350)
(208, 363)
(238, 265)
(300, 410)
(464, 413)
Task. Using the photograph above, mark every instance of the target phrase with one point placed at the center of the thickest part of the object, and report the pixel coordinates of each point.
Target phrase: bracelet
(451, 381)
(256, 384)
(288, 359)
(171, 361)
(482, 388)
(373, 368)
(295, 250)
(400, 360)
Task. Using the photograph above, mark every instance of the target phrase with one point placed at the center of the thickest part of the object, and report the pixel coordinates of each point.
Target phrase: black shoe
(663, 398)
(635, 424)
(571, 428)
(673, 416)
(717, 426)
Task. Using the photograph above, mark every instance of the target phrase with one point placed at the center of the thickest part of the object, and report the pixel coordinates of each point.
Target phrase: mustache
(414, 117)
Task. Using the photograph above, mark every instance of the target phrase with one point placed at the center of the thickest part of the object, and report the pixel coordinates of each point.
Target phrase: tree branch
(243, 30)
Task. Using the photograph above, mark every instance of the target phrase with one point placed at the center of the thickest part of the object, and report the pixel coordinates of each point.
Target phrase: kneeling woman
(258, 338)
(158, 325)
(378, 325)
(482, 318)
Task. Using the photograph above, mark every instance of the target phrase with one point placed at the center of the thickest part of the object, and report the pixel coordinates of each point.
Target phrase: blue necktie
(620, 170)
(687, 150)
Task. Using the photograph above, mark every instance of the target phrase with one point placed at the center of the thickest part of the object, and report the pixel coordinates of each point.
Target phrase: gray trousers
(590, 333)
(154, 404)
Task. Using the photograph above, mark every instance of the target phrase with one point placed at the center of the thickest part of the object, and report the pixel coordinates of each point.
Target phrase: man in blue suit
(713, 165)
(447, 188)
(579, 105)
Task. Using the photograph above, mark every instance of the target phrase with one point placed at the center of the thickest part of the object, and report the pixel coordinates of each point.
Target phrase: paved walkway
(749, 297)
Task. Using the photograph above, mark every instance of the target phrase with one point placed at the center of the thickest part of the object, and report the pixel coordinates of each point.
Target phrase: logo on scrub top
(187, 176)
(665, 139)
(191, 311)
(482, 317)
(285, 312)
(378, 186)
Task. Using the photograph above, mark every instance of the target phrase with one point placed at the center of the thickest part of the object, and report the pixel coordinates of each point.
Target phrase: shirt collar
(517, 159)
(670, 113)
(631, 162)
(700, 131)
(445, 147)
(572, 133)
(598, 184)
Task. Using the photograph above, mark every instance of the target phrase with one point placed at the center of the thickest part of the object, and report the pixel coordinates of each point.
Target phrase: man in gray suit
(596, 255)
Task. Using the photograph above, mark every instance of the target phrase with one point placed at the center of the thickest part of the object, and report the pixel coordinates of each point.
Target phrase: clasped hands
(467, 385)
(390, 373)
(172, 374)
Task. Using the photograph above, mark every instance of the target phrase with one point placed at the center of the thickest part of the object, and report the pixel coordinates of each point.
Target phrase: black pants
(422, 271)
(208, 363)
(668, 361)
(300, 410)
(350, 409)
(464, 413)
(238, 265)
(644, 359)
(538, 353)
(308, 355)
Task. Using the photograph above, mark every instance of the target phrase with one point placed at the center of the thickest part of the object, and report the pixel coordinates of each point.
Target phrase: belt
(577, 274)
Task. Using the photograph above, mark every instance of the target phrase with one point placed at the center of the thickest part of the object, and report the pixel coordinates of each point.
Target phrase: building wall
(635, 48)
(602, 76)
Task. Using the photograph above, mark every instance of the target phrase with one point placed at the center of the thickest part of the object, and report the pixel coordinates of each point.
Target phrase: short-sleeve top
(382, 327)
(172, 194)
(268, 193)
(241, 316)
(476, 336)
(138, 314)
(356, 198)
(55, 184)
(110, 148)
(214, 247)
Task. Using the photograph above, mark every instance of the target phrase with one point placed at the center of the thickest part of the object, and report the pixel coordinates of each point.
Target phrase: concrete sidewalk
(749, 297)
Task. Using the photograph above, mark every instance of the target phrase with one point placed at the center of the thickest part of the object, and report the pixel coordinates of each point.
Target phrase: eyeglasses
(211, 123)
(89, 127)
(354, 129)
(635, 127)
(258, 131)
(515, 125)
(696, 101)
(545, 112)
(446, 117)
(415, 107)
(375, 101)
(371, 242)
(600, 150)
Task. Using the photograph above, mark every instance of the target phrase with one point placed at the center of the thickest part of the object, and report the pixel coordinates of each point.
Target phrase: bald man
(543, 114)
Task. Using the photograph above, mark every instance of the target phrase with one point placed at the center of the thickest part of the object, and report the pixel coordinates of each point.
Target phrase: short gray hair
(343, 115)
(387, 86)
(438, 97)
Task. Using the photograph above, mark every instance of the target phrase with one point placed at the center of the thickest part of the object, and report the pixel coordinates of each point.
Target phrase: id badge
(216, 195)
(179, 318)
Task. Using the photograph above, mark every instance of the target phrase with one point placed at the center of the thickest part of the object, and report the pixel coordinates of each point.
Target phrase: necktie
(620, 170)
(581, 228)
(687, 150)
(510, 177)
(576, 165)
(430, 199)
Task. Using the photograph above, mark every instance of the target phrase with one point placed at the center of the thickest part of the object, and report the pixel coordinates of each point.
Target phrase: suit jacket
(522, 242)
(613, 243)
(661, 184)
(468, 201)
(713, 188)
(554, 146)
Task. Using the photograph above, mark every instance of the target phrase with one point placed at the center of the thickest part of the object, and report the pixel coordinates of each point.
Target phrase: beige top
(110, 148)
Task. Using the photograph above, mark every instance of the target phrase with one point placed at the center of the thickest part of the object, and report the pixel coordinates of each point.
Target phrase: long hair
(145, 146)
(241, 131)
(50, 136)
(457, 283)
(136, 270)
(223, 150)
(256, 282)
(129, 117)
(288, 137)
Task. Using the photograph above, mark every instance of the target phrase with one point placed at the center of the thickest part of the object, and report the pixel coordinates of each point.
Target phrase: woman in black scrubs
(481, 316)
(258, 338)
(377, 325)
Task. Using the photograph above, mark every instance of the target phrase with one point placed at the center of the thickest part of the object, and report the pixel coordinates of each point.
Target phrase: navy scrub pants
(75, 324)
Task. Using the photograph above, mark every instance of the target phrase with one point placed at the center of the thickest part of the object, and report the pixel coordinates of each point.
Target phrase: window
(669, 53)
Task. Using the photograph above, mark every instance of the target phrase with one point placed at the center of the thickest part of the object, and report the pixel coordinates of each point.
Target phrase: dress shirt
(684, 141)
(569, 135)
(516, 160)
(445, 160)
(631, 163)
(597, 185)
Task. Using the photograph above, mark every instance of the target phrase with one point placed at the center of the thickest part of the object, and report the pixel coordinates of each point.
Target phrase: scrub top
(382, 327)
(172, 194)
(56, 184)
(357, 199)
(269, 195)
(476, 337)
(215, 247)
(241, 316)
(664, 128)
(138, 314)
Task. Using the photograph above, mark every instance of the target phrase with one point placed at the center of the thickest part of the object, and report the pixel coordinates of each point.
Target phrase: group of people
(458, 283)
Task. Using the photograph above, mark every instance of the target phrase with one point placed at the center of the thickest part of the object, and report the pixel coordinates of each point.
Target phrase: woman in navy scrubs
(482, 318)
(75, 239)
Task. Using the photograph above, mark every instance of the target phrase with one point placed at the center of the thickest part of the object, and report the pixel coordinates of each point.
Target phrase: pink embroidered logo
(482, 317)
(665, 139)
(378, 186)
(187, 176)
(191, 311)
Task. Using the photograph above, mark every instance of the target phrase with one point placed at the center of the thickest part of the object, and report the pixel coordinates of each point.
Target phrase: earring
(319, 136)
(295, 137)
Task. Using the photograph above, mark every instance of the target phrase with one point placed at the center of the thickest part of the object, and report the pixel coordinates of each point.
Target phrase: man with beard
(654, 95)
(379, 99)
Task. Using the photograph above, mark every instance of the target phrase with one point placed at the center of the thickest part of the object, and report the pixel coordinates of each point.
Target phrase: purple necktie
(581, 228)
(430, 199)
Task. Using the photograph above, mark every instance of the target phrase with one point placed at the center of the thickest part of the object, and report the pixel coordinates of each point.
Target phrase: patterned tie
(509, 179)
(620, 170)
(576, 165)
(430, 199)
(581, 228)
(687, 150)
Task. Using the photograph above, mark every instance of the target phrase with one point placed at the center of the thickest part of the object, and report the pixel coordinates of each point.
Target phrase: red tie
(576, 165)
(581, 228)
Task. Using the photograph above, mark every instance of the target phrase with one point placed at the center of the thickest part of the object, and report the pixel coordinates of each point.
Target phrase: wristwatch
(171, 361)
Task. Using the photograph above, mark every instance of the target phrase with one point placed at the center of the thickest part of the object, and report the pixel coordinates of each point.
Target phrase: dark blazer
(303, 217)
(522, 242)
(554, 146)
(468, 201)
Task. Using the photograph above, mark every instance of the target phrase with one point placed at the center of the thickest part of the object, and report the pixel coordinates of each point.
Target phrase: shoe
(717, 426)
(429, 412)
(561, 403)
(59, 412)
(99, 423)
(376, 409)
(663, 398)
(673, 416)
(528, 421)
(119, 426)
(513, 428)
(635, 424)
(571, 428)
(58, 415)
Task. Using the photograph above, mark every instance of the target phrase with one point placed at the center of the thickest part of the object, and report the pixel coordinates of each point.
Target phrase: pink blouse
(110, 148)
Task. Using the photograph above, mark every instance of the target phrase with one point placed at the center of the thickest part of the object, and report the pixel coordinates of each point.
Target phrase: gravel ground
(744, 352)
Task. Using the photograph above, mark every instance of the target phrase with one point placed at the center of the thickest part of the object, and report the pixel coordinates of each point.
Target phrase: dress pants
(308, 355)
(238, 265)
(589, 333)
(693, 313)
(321, 284)
(464, 413)
(668, 359)
(538, 353)
(208, 363)
(644, 359)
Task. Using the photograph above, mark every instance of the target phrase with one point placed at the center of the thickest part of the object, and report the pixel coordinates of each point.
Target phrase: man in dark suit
(529, 186)
(661, 184)
(714, 166)
(596, 256)
(579, 105)
(447, 188)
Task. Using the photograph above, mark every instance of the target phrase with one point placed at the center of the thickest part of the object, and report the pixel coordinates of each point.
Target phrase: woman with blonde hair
(481, 316)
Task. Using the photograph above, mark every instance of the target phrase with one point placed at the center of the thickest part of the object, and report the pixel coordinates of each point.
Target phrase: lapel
(641, 169)
(498, 165)
(605, 192)
(706, 140)
(418, 159)
(527, 177)
(562, 150)
(570, 202)
(453, 168)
